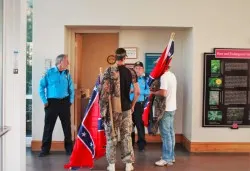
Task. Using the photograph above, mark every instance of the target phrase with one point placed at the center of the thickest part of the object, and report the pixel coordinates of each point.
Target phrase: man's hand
(46, 105)
(131, 90)
(160, 92)
(132, 108)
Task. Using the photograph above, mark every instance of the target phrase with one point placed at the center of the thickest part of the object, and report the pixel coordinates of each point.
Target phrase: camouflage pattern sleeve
(134, 76)
(104, 93)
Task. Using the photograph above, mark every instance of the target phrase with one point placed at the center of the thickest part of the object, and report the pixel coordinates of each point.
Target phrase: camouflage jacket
(110, 85)
(159, 103)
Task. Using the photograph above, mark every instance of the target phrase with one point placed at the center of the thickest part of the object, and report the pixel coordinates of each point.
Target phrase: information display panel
(226, 88)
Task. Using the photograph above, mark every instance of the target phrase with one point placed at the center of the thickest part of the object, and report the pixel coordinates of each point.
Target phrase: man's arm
(136, 95)
(163, 87)
(132, 89)
(160, 92)
(42, 87)
(71, 90)
(136, 89)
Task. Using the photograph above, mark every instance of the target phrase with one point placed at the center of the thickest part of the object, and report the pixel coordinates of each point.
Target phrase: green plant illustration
(215, 66)
(213, 97)
(215, 82)
(214, 115)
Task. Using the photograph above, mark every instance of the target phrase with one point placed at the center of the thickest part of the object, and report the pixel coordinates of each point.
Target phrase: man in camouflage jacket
(116, 108)
(159, 105)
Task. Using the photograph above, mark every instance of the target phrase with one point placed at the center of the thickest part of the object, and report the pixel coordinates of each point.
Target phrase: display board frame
(226, 88)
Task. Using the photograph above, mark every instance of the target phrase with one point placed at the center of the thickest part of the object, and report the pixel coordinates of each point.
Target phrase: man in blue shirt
(56, 90)
(139, 106)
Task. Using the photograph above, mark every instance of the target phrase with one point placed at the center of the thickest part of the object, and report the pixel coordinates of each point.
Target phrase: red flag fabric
(159, 69)
(91, 141)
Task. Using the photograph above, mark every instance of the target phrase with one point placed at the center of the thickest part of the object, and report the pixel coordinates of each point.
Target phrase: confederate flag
(91, 141)
(158, 70)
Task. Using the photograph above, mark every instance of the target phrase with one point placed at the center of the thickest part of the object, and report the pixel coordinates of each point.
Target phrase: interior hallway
(145, 161)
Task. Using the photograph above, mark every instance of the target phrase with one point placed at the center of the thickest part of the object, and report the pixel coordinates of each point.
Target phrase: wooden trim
(55, 145)
(157, 138)
(186, 143)
(215, 146)
(219, 147)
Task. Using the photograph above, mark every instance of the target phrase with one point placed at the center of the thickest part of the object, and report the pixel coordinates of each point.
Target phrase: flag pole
(111, 116)
(111, 111)
(172, 35)
(169, 44)
(101, 74)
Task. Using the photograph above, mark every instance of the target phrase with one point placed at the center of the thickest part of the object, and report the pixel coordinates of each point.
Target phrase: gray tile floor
(145, 161)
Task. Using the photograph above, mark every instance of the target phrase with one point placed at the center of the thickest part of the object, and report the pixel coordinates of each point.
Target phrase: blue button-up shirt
(56, 85)
(144, 89)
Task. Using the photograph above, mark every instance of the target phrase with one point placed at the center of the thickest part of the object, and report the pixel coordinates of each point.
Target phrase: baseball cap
(138, 63)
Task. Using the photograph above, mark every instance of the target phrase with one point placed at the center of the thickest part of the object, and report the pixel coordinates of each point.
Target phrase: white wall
(187, 83)
(223, 23)
(14, 85)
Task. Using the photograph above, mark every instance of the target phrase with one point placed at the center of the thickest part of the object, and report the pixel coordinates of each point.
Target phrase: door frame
(69, 48)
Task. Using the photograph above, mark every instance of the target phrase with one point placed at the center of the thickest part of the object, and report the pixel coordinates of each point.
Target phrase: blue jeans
(166, 126)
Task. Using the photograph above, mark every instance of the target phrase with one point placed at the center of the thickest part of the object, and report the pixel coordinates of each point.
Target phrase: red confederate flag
(158, 70)
(91, 141)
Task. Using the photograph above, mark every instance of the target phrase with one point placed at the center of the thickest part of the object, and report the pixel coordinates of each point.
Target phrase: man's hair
(120, 53)
(59, 58)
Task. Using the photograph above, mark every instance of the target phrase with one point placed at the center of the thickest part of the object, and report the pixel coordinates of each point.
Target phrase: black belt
(140, 103)
(59, 99)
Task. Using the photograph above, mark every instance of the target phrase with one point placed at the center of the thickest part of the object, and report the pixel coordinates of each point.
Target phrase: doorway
(92, 50)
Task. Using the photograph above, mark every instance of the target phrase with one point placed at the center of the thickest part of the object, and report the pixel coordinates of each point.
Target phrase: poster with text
(226, 88)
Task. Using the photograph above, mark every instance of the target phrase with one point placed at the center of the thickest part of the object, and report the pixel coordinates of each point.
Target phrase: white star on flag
(84, 134)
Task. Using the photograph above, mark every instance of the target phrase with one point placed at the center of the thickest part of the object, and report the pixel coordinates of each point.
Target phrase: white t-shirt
(169, 83)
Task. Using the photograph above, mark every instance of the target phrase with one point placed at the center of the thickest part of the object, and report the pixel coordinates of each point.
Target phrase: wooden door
(92, 50)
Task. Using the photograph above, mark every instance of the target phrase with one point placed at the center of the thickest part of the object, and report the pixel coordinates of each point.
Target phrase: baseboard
(55, 145)
(157, 138)
(59, 145)
(221, 147)
(186, 143)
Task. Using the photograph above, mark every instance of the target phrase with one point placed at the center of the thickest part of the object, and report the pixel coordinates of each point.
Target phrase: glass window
(29, 48)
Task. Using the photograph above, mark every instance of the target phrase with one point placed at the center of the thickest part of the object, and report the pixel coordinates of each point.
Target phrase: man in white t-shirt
(168, 89)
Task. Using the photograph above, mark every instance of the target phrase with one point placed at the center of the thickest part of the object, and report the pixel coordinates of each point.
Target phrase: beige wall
(223, 23)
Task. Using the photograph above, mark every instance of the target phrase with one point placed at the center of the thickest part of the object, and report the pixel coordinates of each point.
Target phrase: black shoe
(141, 150)
(68, 153)
(43, 154)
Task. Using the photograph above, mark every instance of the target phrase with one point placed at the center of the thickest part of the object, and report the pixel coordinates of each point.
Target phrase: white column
(14, 85)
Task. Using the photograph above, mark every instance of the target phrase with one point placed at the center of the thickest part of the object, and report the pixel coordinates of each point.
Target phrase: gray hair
(59, 58)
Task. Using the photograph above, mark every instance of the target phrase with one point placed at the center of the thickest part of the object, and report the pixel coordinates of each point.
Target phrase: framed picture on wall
(129, 65)
(131, 52)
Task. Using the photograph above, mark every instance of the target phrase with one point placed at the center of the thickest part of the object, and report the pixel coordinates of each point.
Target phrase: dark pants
(137, 121)
(54, 109)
